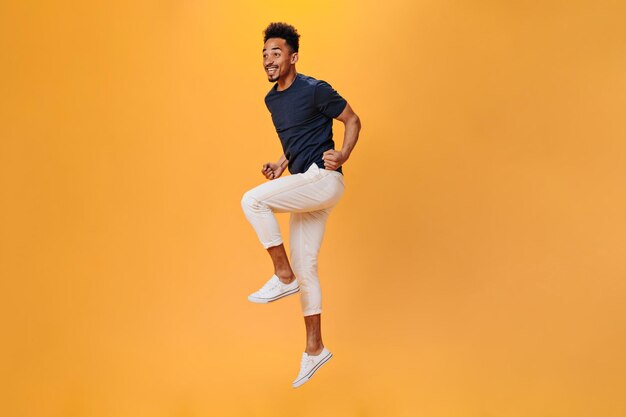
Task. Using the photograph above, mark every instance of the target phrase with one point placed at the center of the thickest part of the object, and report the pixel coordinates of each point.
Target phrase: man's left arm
(334, 159)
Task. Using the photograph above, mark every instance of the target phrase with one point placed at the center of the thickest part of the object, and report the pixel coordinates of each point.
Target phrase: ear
(294, 57)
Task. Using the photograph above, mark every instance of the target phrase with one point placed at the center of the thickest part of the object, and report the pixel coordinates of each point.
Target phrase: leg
(307, 231)
(312, 190)
(314, 344)
(306, 235)
(282, 269)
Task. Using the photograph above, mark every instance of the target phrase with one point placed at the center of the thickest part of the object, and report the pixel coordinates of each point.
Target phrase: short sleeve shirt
(303, 117)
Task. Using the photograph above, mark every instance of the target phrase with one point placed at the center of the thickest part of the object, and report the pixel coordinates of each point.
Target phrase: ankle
(314, 349)
(285, 277)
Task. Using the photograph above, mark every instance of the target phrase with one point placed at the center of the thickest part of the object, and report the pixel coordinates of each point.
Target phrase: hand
(272, 170)
(333, 159)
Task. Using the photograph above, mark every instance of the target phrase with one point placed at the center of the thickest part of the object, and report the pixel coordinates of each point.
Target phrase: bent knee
(249, 203)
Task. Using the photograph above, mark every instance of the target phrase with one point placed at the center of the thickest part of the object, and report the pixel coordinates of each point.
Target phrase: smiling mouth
(272, 70)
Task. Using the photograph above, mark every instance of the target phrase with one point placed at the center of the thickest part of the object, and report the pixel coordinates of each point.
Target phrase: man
(302, 109)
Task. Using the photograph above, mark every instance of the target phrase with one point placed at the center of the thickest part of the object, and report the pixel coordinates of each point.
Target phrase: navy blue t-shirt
(303, 116)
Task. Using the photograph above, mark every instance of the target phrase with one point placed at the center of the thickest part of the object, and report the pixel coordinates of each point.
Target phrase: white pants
(309, 197)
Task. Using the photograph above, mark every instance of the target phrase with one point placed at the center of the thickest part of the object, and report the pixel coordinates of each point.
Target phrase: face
(277, 61)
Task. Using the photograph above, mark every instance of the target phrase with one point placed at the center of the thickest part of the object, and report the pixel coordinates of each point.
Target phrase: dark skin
(279, 63)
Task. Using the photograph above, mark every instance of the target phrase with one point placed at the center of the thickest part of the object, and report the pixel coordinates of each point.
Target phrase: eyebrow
(276, 47)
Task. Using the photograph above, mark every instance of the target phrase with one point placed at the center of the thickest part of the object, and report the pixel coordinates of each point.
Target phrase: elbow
(355, 120)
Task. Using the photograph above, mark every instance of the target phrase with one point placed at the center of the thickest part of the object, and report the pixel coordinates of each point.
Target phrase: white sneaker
(309, 364)
(273, 290)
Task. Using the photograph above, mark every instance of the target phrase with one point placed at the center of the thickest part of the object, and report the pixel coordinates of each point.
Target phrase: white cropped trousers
(309, 197)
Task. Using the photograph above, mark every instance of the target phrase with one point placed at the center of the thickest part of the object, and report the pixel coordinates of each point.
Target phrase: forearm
(351, 136)
(282, 161)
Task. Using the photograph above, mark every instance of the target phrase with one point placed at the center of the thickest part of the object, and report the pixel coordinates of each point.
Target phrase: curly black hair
(284, 31)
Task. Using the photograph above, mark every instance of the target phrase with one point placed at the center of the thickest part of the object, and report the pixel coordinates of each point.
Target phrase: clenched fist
(333, 159)
(272, 170)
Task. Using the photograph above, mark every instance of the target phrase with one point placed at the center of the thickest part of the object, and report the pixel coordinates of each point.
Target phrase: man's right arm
(282, 161)
(272, 170)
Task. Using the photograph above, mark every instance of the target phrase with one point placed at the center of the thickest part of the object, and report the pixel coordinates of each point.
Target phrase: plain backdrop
(474, 267)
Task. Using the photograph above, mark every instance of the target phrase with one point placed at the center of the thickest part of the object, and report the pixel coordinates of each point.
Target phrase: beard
(273, 78)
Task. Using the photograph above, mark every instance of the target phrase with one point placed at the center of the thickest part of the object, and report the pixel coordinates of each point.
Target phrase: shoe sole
(269, 300)
(312, 371)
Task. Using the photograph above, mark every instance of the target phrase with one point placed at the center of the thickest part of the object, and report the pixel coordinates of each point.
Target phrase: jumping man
(302, 109)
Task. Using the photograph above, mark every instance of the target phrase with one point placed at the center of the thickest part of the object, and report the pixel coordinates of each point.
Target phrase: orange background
(474, 267)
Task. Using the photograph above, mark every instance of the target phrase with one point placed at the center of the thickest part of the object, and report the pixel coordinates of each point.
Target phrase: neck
(285, 82)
